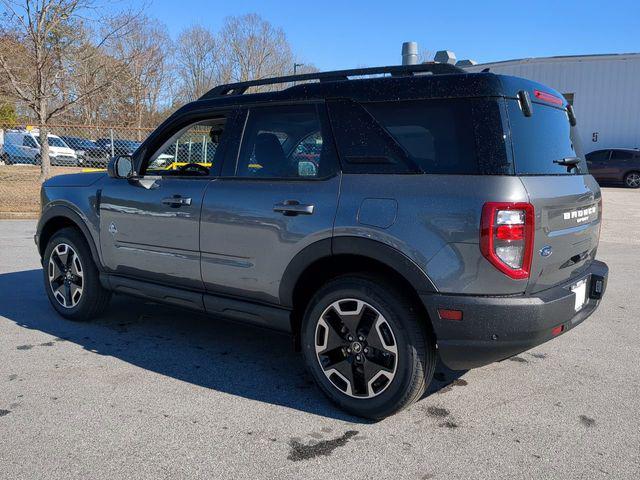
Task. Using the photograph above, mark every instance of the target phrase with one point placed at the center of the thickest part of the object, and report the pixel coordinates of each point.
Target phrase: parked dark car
(387, 223)
(120, 147)
(88, 152)
(617, 165)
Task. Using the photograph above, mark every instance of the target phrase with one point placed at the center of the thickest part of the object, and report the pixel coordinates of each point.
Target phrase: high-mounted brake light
(506, 237)
(547, 97)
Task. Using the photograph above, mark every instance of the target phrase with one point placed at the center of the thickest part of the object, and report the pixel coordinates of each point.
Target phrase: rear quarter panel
(436, 224)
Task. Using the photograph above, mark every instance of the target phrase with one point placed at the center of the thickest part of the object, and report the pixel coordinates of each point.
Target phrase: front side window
(29, 142)
(284, 142)
(192, 151)
(598, 156)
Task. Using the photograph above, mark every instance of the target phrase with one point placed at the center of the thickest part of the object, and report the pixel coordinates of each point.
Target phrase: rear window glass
(438, 135)
(541, 140)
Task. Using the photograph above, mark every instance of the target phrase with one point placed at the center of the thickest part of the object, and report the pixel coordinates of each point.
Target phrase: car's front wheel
(632, 179)
(71, 277)
(367, 346)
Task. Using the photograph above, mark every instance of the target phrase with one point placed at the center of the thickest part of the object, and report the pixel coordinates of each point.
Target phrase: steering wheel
(194, 167)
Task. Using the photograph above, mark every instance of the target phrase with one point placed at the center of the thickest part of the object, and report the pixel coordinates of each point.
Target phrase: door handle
(176, 201)
(291, 208)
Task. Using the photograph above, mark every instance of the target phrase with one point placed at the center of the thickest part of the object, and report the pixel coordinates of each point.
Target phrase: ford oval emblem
(546, 251)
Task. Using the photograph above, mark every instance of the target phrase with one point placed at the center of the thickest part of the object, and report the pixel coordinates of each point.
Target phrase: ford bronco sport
(385, 217)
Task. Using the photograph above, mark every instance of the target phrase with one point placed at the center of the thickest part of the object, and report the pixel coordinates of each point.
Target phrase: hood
(75, 179)
(62, 151)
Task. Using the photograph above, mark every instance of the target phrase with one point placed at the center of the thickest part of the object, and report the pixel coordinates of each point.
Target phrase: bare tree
(198, 62)
(254, 49)
(50, 36)
(142, 84)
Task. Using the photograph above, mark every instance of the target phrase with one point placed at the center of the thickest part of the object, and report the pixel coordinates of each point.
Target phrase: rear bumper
(496, 328)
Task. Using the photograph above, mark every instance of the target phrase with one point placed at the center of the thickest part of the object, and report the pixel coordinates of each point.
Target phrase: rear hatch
(566, 199)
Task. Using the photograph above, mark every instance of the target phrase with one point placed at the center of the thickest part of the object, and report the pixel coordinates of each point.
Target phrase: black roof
(239, 88)
(431, 80)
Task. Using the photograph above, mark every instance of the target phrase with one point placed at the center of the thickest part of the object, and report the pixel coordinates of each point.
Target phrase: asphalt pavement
(149, 391)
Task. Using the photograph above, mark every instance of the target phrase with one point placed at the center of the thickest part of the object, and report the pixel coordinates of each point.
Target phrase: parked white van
(23, 146)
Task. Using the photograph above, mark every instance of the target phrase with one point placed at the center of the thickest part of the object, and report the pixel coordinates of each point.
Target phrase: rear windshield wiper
(569, 162)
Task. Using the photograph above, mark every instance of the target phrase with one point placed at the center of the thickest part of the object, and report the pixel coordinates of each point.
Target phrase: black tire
(416, 352)
(6, 159)
(94, 298)
(632, 180)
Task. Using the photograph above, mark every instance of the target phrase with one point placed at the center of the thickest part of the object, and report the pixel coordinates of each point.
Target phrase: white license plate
(580, 291)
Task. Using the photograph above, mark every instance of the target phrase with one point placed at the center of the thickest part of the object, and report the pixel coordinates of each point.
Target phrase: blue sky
(343, 34)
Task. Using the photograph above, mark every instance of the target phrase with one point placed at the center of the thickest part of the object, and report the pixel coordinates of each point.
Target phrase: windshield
(126, 144)
(542, 141)
(57, 142)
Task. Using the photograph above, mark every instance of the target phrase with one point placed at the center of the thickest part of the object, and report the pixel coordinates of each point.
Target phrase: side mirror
(121, 167)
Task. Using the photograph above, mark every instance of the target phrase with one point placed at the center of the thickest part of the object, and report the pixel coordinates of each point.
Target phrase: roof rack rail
(395, 71)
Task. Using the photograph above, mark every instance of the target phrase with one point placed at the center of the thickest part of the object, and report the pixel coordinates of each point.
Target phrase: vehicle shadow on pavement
(242, 360)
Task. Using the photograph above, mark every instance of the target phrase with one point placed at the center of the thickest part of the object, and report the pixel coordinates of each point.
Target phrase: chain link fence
(72, 148)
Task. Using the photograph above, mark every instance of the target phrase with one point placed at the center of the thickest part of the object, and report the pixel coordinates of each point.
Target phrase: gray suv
(385, 217)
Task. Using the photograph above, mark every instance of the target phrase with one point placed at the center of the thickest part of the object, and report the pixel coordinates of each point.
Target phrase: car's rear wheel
(632, 179)
(71, 277)
(367, 346)
(5, 159)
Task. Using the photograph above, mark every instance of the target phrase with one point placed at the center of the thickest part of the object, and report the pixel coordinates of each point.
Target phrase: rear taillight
(506, 237)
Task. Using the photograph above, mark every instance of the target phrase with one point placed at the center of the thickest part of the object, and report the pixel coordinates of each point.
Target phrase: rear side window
(621, 155)
(462, 136)
(543, 139)
(364, 145)
(438, 135)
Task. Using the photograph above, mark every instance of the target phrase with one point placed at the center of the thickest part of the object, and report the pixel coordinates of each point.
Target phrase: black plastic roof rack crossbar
(395, 71)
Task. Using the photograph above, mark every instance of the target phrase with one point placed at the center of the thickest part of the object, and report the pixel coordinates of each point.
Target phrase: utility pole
(295, 69)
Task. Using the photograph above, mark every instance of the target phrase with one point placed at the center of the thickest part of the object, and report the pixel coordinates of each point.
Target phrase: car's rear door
(279, 196)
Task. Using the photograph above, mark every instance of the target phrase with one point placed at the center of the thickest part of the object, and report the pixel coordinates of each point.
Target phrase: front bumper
(496, 328)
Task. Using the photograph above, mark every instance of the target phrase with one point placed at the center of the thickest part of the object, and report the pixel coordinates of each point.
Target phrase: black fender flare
(64, 211)
(349, 245)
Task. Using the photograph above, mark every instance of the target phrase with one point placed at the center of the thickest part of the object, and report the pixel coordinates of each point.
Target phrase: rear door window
(621, 155)
(286, 142)
(541, 140)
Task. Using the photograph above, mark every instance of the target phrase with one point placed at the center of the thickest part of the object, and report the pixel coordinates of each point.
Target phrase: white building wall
(606, 92)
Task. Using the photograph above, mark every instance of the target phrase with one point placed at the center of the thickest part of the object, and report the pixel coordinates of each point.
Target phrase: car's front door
(277, 198)
(150, 226)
